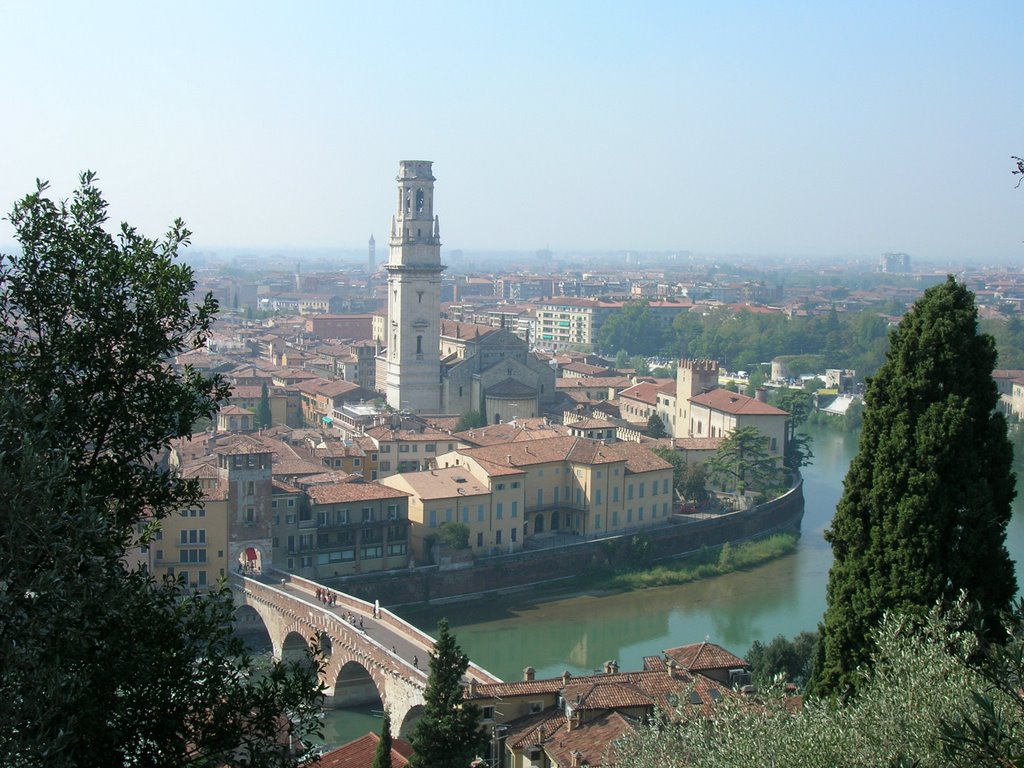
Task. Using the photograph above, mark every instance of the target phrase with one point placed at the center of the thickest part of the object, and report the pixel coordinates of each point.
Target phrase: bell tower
(414, 294)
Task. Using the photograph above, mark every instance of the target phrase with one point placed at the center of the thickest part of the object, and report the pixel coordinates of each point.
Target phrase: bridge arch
(408, 723)
(250, 626)
(295, 647)
(354, 685)
(359, 663)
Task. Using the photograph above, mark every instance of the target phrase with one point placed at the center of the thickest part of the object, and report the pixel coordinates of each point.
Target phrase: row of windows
(414, 447)
(192, 556)
(512, 534)
(193, 536)
(349, 555)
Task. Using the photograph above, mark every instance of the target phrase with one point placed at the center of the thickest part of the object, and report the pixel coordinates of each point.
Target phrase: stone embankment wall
(508, 572)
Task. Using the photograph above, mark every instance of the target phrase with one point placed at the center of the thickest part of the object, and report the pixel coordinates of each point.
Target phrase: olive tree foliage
(912, 700)
(926, 501)
(100, 664)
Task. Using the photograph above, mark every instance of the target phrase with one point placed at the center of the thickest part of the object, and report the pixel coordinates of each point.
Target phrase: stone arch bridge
(366, 657)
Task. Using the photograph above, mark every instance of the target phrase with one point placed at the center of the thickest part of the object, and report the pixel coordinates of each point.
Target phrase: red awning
(250, 553)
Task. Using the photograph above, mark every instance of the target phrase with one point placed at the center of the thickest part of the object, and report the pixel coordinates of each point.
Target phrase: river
(581, 632)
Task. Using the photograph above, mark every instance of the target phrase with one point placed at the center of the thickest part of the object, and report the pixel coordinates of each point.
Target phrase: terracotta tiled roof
(296, 467)
(593, 744)
(698, 443)
(457, 330)
(703, 656)
(329, 478)
(733, 402)
(580, 450)
(234, 410)
(586, 369)
(360, 753)
(250, 391)
(594, 695)
(428, 435)
(643, 392)
(511, 388)
(594, 382)
(343, 492)
(237, 445)
(449, 482)
(202, 469)
(592, 423)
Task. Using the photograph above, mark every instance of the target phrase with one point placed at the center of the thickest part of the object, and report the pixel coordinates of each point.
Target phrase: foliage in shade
(688, 480)
(781, 656)
(264, 414)
(448, 735)
(100, 664)
(656, 427)
(798, 404)
(927, 498)
(470, 420)
(743, 461)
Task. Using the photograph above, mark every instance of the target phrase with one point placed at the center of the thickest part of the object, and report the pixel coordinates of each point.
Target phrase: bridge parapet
(396, 624)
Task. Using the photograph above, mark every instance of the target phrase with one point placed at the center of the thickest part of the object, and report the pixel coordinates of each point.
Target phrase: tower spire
(414, 294)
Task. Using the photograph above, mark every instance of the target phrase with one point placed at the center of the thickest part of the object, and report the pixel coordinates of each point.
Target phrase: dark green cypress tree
(382, 755)
(265, 415)
(449, 733)
(927, 498)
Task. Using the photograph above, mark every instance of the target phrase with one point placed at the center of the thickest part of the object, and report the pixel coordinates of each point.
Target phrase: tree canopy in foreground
(926, 501)
(100, 664)
(921, 702)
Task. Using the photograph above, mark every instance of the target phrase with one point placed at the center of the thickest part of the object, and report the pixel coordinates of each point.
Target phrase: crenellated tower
(694, 377)
(414, 294)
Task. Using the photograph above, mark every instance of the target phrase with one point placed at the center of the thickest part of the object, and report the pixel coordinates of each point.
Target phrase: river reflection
(581, 632)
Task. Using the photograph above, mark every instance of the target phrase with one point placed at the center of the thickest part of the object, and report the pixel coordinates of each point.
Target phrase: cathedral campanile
(414, 294)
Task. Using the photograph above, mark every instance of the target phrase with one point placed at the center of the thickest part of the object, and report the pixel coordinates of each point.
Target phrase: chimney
(575, 756)
(671, 665)
(472, 687)
(610, 667)
(759, 395)
(528, 673)
(565, 678)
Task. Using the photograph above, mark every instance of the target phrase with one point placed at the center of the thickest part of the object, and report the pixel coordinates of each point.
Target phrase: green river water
(580, 632)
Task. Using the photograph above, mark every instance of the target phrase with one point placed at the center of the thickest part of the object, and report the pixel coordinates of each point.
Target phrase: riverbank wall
(685, 535)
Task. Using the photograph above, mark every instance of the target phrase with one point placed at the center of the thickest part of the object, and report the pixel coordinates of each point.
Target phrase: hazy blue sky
(777, 128)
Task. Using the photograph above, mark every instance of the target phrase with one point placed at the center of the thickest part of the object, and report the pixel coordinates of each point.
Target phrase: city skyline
(660, 127)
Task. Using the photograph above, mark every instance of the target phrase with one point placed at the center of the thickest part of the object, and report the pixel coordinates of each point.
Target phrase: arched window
(419, 201)
(419, 345)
